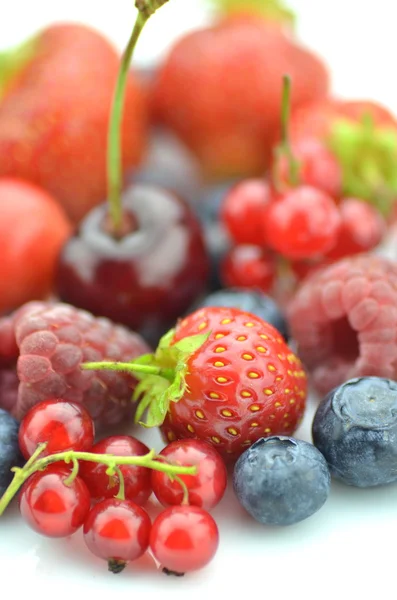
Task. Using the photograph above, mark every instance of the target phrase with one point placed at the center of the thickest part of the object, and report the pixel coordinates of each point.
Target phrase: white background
(348, 548)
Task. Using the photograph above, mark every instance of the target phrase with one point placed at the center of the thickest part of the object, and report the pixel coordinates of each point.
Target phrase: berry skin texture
(52, 133)
(206, 489)
(344, 321)
(184, 539)
(243, 210)
(362, 229)
(50, 343)
(51, 507)
(33, 229)
(252, 301)
(220, 94)
(281, 480)
(10, 455)
(136, 479)
(243, 383)
(117, 531)
(62, 425)
(302, 223)
(249, 267)
(355, 427)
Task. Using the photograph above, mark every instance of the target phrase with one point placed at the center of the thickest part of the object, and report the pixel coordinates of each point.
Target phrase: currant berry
(249, 267)
(243, 209)
(137, 480)
(302, 223)
(362, 228)
(117, 531)
(52, 507)
(184, 538)
(206, 489)
(63, 425)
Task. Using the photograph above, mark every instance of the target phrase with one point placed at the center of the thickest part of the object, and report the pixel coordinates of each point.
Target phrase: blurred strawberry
(362, 135)
(55, 98)
(219, 89)
(33, 228)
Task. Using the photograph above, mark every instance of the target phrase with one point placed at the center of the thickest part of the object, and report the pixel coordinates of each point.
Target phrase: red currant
(117, 531)
(362, 229)
(243, 208)
(50, 506)
(318, 167)
(136, 479)
(302, 223)
(206, 489)
(184, 538)
(248, 267)
(63, 425)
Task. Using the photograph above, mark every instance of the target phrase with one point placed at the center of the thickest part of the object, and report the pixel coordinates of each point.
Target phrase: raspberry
(344, 321)
(49, 343)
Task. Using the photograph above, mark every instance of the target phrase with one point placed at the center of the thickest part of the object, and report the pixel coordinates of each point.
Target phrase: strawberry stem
(131, 368)
(146, 8)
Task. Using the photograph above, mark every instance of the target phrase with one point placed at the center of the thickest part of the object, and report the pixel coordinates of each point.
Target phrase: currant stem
(39, 464)
(121, 493)
(185, 499)
(74, 473)
(114, 159)
(284, 148)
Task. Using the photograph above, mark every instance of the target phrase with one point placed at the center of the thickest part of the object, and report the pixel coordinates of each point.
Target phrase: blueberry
(255, 302)
(9, 449)
(281, 480)
(355, 427)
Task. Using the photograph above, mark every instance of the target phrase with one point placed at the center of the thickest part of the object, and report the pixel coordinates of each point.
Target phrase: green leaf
(189, 345)
(153, 394)
(270, 10)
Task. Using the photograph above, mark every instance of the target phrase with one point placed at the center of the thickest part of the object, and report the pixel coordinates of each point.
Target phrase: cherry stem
(130, 368)
(35, 463)
(121, 493)
(284, 148)
(146, 9)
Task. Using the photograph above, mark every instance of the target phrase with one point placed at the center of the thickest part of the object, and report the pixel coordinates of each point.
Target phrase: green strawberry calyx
(14, 60)
(161, 375)
(368, 156)
(270, 10)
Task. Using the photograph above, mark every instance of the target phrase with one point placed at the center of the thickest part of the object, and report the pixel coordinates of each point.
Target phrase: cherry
(206, 489)
(184, 538)
(243, 209)
(302, 223)
(362, 229)
(63, 425)
(249, 267)
(318, 167)
(51, 506)
(149, 275)
(117, 531)
(137, 480)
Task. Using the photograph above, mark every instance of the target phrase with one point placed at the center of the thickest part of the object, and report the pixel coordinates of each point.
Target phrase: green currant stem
(131, 368)
(146, 8)
(121, 493)
(284, 148)
(185, 499)
(112, 462)
(74, 473)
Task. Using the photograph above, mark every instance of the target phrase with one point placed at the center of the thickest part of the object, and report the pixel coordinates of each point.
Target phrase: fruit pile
(205, 318)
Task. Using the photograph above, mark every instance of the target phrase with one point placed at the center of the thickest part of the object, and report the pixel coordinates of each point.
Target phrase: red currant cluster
(297, 219)
(69, 482)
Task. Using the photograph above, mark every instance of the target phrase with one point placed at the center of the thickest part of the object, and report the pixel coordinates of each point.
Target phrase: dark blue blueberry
(251, 301)
(281, 480)
(9, 449)
(355, 427)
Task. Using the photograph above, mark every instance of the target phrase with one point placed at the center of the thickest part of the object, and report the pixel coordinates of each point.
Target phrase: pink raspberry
(48, 342)
(344, 321)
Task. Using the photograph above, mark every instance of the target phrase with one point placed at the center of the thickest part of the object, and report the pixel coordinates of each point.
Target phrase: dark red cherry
(147, 278)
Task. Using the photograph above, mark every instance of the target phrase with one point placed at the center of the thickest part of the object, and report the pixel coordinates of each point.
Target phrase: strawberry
(219, 91)
(33, 228)
(362, 135)
(55, 99)
(222, 375)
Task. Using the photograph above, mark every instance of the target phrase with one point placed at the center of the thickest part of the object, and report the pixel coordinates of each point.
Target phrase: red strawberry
(219, 90)
(33, 228)
(54, 113)
(224, 376)
(362, 135)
